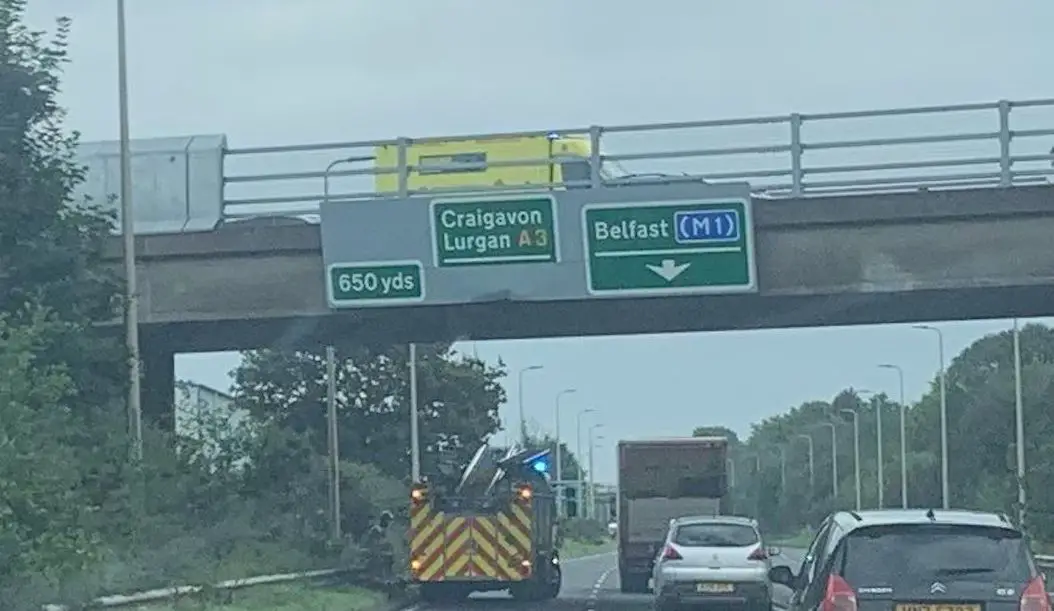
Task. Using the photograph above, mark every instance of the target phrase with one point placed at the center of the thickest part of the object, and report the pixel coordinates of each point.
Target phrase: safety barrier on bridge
(997, 144)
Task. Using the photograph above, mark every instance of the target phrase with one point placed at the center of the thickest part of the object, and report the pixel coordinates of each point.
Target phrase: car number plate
(937, 607)
(715, 588)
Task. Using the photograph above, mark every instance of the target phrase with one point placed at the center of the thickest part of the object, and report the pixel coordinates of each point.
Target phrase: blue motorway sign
(707, 226)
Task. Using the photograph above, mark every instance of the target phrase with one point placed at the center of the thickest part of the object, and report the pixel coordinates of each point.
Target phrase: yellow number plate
(937, 607)
(715, 588)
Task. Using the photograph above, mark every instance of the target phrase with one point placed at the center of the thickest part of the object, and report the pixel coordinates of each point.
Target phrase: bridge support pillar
(159, 385)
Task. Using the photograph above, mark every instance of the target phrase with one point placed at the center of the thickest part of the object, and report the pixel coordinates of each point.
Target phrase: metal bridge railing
(998, 144)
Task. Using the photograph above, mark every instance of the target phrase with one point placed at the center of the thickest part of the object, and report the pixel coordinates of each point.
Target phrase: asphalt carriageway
(590, 583)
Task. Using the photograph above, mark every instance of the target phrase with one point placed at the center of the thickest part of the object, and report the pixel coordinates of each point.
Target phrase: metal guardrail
(1045, 563)
(997, 144)
(168, 594)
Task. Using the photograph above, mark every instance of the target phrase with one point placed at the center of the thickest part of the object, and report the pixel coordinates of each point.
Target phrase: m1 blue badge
(706, 226)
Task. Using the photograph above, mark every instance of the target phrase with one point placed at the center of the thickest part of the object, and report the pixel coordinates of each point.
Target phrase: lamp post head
(532, 368)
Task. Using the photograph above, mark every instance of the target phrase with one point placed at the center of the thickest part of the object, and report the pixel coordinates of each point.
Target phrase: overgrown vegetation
(220, 497)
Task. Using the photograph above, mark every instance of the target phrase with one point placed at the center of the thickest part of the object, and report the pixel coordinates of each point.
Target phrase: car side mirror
(774, 551)
(782, 575)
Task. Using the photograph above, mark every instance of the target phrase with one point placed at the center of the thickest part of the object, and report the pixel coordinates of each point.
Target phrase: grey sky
(274, 71)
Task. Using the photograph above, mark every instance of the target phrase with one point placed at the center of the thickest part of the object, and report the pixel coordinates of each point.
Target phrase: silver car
(713, 559)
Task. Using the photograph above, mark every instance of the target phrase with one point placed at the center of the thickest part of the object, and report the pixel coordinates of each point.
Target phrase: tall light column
(1019, 427)
(903, 435)
(559, 454)
(856, 453)
(578, 449)
(415, 436)
(834, 460)
(519, 392)
(783, 469)
(331, 415)
(131, 295)
(945, 494)
(812, 473)
(592, 444)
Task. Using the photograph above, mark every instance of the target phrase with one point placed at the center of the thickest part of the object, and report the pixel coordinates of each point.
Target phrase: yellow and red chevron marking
(493, 557)
(515, 525)
(470, 547)
(427, 538)
(457, 549)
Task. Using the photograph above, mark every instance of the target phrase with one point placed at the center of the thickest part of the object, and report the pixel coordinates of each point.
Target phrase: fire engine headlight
(415, 565)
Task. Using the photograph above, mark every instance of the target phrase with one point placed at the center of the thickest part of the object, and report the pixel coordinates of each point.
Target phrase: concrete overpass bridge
(938, 213)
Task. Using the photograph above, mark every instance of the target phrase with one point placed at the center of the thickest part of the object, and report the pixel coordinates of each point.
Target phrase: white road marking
(594, 595)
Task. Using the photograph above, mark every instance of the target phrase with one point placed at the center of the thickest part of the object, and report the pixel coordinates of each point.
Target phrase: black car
(916, 560)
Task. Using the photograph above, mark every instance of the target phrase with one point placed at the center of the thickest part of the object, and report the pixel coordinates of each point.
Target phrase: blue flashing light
(541, 465)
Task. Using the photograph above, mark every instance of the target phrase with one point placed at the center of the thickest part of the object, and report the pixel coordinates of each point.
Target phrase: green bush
(587, 531)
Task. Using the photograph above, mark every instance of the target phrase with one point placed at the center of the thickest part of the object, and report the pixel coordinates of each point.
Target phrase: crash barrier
(168, 594)
(1045, 562)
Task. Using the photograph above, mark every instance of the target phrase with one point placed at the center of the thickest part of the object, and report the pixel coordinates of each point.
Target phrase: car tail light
(672, 554)
(839, 596)
(1034, 598)
(758, 554)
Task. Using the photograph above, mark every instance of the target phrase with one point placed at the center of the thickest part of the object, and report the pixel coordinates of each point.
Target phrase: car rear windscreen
(710, 534)
(889, 555)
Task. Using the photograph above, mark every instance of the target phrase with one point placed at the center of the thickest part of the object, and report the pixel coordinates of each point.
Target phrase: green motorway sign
(701, 247)
(482, 231)
(374, 283)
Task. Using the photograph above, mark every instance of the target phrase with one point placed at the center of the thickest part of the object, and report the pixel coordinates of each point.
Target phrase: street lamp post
(812, 474)
(880, 459)
(331, 393)
(856, 453)
(730, 467)
(519, 392)
(592, 479)
(578, 449)
(559, 454)
(945, 495)
(1019, 428)
(755, 481)
(903, 435)
(834, 460)
(415, 436)
(783, 469)
(131, 296)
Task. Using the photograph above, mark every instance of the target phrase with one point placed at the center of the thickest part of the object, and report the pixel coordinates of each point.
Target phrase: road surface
(591, 584)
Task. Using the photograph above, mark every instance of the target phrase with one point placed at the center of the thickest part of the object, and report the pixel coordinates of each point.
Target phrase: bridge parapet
(177, 183)
(196, 183)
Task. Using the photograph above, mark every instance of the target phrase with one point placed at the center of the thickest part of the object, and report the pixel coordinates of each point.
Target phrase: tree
(458, 401)
(60, 377)
(50, 246)
(980, 385)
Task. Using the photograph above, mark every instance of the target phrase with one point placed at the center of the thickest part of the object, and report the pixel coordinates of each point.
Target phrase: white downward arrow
(669, 269)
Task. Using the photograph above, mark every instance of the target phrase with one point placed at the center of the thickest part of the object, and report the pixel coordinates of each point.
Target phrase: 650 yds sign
(375, 283)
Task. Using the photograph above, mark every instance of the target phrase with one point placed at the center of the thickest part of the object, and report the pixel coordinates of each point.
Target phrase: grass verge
(289, 597)
(573, 548)
(801, 540)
